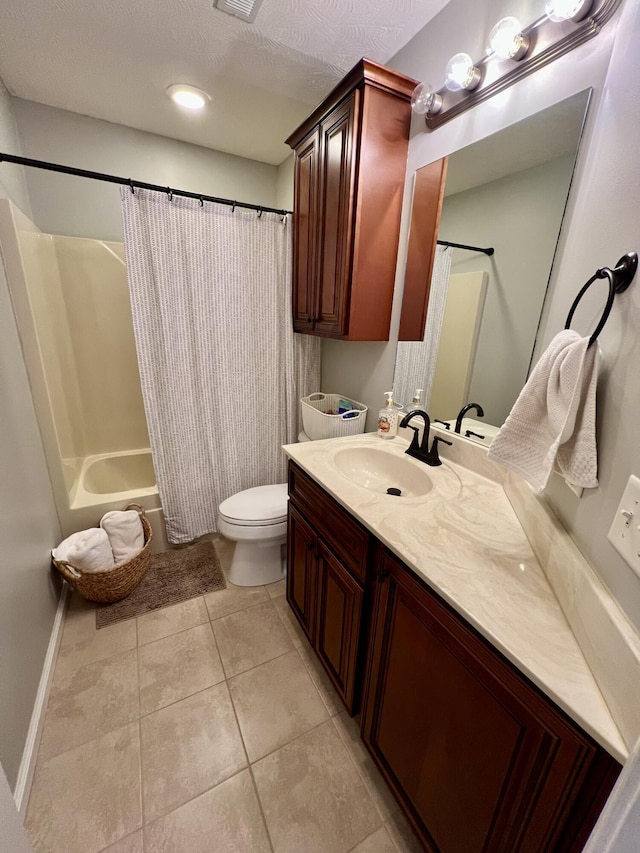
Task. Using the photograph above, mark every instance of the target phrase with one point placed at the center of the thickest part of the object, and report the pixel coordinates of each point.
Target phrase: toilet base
(257, 563)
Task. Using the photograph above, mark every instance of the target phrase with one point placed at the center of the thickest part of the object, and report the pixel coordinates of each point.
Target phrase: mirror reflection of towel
(552, 423)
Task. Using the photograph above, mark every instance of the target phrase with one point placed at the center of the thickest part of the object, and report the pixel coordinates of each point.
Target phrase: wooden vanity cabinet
(350, 163)
(326, 572)
(478, 757)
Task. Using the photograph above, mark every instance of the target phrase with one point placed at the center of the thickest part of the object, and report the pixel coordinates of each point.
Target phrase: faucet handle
(433, 457)
(445, 424)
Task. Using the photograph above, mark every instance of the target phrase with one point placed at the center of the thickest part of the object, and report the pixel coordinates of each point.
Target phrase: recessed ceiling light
(188, 96)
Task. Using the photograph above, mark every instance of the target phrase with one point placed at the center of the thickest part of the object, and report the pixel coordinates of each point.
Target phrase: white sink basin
(378, 470)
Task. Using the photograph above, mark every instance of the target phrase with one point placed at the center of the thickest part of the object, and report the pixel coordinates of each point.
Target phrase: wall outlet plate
(624, 533)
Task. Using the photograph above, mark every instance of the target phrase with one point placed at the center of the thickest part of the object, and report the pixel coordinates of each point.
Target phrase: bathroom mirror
(508, 192)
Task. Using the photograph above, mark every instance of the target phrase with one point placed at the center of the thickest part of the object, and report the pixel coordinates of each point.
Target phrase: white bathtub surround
(464, 539)
(221, 369)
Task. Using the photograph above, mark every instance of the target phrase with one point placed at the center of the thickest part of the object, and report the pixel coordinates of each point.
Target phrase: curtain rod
(127, 182)
(488, 251)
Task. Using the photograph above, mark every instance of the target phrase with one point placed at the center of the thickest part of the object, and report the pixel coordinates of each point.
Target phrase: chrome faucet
(421, 450)
(463, 411)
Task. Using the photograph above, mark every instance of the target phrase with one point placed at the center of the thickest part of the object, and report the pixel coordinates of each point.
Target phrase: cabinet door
(480, 760)
(305, 228)
(338, 624)
(338, 152)
(302, 572)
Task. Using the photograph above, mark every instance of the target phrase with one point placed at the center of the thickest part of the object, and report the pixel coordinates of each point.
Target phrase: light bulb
(187, 96)
(425, 100)
(461, 73)
(567, 10)
(507, 40)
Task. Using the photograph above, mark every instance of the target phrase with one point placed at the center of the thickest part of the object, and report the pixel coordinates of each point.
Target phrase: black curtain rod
(488, 251)
(127, 182)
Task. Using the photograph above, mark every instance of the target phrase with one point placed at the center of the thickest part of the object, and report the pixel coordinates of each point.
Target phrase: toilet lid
(260, 505)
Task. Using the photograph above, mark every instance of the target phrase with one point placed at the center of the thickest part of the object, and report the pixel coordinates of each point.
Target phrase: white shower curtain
(416, 360)
(220, 367)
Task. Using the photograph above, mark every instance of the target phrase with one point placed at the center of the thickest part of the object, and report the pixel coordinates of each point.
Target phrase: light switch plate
(624, 533)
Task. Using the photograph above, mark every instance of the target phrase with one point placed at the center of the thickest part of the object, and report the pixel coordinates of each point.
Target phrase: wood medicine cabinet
(350, 163)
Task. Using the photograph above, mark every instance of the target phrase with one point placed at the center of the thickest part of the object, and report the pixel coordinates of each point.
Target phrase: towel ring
(619, 280)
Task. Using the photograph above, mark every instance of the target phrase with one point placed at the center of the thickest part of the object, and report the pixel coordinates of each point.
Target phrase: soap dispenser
(417, 403)
(388, 418)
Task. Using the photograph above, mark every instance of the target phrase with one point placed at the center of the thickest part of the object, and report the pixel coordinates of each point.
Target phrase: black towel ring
(620, 277)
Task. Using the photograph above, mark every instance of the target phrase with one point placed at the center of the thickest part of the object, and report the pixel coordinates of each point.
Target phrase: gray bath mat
(172, 576)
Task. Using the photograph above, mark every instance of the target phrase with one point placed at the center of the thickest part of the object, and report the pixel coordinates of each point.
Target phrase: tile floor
(207, 726)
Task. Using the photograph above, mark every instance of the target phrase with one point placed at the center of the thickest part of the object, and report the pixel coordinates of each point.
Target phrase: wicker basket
(111, 584)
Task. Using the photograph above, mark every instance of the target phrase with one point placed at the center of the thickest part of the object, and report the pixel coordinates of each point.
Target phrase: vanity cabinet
(350, 162)
(478, 757)
(327, 559)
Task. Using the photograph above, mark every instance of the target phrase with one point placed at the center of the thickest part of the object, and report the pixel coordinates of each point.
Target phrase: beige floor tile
(222, 602)
(87, 798)
(170, 620)
(312, 796)
(83, 643)
(298, 637)
(177, 666)
(89, 702)
(275, 702)
(321, 680)
(188, 748)
(379, 842)
(378, 789)
(130, 844)
(250, 637)
(277, 589)
(226, 819)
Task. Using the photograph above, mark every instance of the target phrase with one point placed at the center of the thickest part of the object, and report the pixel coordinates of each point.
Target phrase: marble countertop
(465, 541)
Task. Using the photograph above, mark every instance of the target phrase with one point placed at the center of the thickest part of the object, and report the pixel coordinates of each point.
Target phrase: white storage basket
(318, 423)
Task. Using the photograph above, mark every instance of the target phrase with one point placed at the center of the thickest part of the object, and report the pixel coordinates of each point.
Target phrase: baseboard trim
(29, 755)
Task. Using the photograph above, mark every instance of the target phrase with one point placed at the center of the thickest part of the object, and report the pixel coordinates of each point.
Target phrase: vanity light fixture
(424, 100)
(461, 73)
(507, 40)
(514, 52)
(567, 10)
(188, 96)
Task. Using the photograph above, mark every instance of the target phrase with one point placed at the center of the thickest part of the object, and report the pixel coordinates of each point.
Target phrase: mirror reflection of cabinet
(508, 191)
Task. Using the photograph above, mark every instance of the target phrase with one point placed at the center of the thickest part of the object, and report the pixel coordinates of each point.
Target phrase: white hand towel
(125, 532)
(553, 421)
(89, 550)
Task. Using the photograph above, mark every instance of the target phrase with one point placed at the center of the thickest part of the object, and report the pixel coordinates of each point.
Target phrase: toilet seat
(260, 506)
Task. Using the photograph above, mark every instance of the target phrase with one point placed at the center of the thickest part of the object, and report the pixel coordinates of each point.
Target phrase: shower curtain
(221, 369)
(416, 360)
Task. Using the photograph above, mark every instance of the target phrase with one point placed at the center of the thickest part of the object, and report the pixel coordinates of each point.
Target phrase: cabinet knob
(382, 575)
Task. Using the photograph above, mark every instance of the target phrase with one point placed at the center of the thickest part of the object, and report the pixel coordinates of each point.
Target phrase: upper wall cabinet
(350, 162)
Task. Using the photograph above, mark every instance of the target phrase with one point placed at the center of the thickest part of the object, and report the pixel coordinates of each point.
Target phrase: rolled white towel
(89, 550)
(125, 532)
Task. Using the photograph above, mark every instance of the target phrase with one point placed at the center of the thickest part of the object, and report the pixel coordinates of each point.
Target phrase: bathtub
(110, 481)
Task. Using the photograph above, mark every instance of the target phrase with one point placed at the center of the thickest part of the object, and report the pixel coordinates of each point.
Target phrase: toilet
(256, 520)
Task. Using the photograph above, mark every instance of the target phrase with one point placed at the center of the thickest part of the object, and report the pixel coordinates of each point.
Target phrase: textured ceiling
(113, 60)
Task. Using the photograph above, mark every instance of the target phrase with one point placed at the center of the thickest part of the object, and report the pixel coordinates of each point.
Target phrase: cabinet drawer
(346, 537)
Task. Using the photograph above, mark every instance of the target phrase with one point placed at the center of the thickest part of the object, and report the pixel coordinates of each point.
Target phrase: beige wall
(28, 523)
(77, 207)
